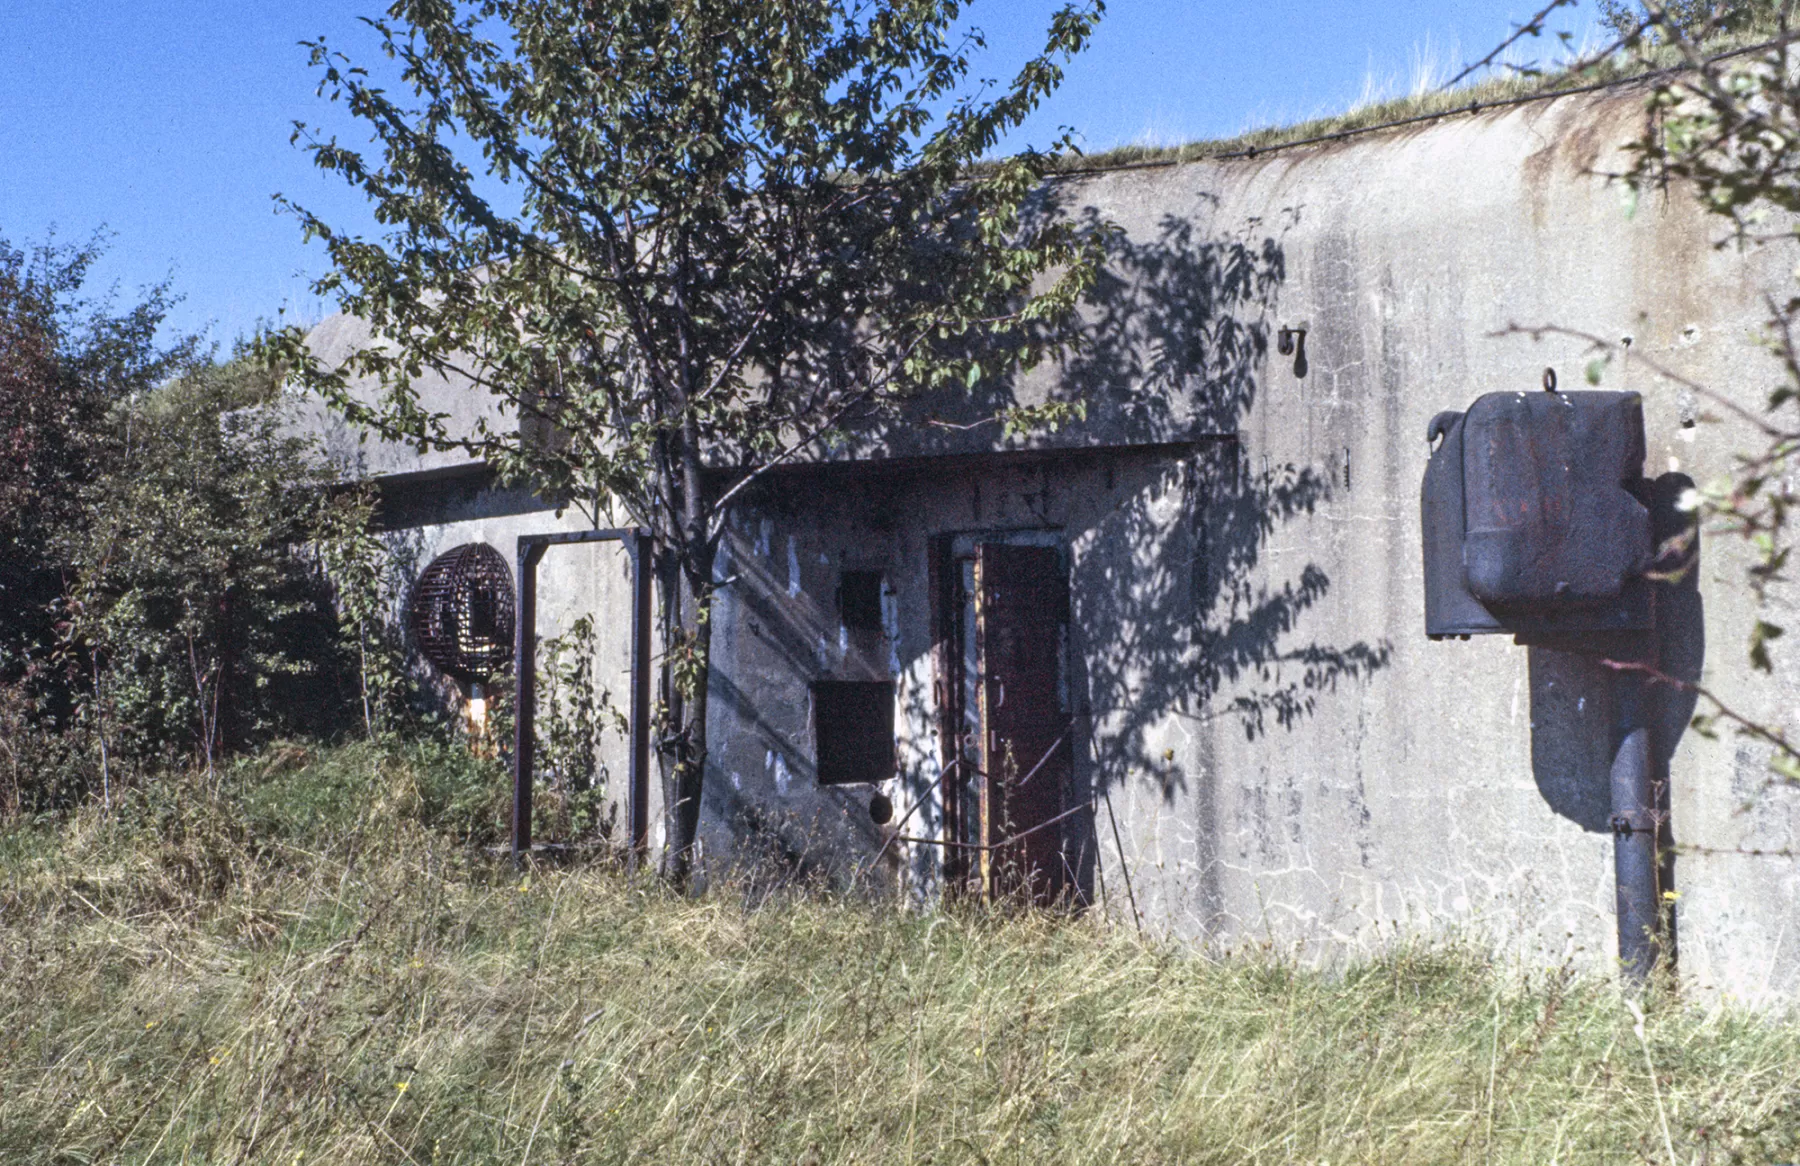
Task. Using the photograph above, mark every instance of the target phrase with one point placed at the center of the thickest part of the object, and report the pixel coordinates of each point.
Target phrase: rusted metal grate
(461, 614)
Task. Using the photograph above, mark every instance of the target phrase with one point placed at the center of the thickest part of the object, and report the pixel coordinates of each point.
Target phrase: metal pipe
(1003, 843)
(524, 695)
(1124, 869)
(638, 796)
(1634, 829)
(953, 765)
(1034, 769)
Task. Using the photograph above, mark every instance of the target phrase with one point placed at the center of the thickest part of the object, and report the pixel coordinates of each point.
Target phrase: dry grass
(304, 968)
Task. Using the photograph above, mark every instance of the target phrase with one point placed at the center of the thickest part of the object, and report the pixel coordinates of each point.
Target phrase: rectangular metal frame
(531, 550)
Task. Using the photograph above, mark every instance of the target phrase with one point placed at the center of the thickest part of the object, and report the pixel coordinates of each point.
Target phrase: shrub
(196, 623)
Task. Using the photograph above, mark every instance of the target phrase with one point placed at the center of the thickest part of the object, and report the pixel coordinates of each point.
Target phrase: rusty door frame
(639, 544)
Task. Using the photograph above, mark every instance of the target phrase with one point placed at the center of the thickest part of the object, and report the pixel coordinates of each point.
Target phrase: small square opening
(859, 600)
(853, 726)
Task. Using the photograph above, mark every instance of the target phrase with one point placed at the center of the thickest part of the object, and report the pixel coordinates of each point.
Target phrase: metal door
(1022, 604)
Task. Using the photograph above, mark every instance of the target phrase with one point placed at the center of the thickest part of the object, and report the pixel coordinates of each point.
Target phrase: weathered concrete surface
(1453, 785)
(1290, 761)
(1121, 516)
(363, 454)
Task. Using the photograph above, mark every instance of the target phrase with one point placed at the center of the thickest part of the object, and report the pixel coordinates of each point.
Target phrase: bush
(163, 547)
(39, 768)
(65, 360)
(196, 623)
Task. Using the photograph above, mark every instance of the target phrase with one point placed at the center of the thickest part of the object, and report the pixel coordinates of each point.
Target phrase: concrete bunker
(1211, 594)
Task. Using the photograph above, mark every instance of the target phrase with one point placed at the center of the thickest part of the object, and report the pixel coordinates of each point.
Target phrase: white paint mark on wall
(843, 638)
(737, 780)
(782, 776)
(722, 562)
(764, 531)
(890, 627)
(793, 567)
(824, 559)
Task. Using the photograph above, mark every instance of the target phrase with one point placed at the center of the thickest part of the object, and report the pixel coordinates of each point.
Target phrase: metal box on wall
(1532, 521)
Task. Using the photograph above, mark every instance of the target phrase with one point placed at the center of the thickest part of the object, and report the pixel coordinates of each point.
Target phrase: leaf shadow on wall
(1179, 616)
(1177, 346)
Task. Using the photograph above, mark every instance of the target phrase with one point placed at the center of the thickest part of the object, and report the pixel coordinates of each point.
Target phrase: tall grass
(311, 964)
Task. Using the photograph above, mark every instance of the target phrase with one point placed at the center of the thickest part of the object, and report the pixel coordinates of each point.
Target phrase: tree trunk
(690, 761)
(694, 555)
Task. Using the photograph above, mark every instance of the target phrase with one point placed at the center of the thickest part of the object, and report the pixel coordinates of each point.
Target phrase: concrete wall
(364, 454)
(1456, 784)
(1122, 516)
(1289, 759)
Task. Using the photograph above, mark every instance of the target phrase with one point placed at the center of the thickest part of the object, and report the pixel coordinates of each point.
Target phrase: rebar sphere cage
(461, 613)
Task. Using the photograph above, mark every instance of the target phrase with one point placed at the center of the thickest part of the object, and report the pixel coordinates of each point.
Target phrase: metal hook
(1292, 342)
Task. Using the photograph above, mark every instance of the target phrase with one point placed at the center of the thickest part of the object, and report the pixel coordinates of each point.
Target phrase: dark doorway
(1006, 716)
(1021, 625)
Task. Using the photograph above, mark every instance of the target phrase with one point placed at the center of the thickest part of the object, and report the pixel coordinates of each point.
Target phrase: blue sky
(167, 121)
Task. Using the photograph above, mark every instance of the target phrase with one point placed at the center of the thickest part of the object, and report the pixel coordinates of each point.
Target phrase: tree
(359, 568)
(66, 358)
(152, 604)
(1641, 25)
(682, 242)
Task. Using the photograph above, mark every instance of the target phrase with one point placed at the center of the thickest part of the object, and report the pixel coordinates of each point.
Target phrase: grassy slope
(1380, 113)
(1490, 89)
(312, 971)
